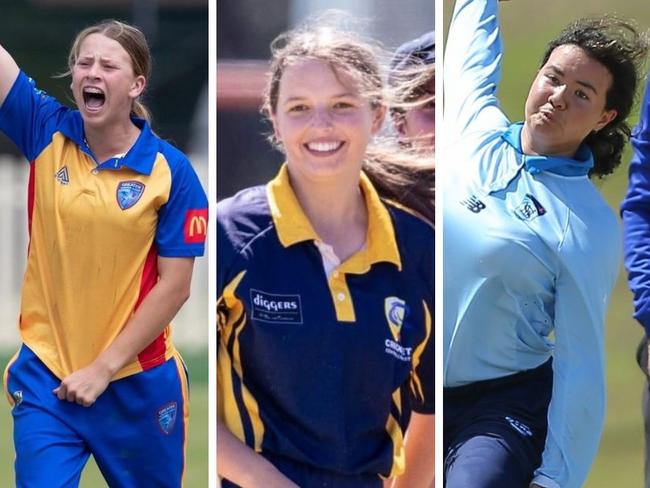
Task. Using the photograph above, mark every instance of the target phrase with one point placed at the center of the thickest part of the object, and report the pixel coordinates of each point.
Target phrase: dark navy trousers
(495, 430)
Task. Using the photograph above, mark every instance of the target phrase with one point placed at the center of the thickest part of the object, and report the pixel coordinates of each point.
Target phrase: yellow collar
(293, 226)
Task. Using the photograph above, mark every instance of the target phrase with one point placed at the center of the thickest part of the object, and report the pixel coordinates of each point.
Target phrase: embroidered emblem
(196, 226)
(473, 204)
(274, 308)
(520, 427)
(529, 208)
(18, 397)
(62, 176)
(128, 193)
(166, 416)
(395, 309)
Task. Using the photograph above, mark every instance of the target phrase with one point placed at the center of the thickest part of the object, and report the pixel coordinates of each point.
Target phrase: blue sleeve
(224, 257)
(183, 220)
(29, 116)
(472, 69)
(635, 211)
(577, 409)
(225, 253)
(227, 257)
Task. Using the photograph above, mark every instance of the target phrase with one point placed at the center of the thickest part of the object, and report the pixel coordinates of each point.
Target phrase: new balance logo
(62, 176)
(473, 204)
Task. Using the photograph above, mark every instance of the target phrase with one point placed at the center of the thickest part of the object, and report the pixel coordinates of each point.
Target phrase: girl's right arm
(8, 73)
(236, 461)
(242, 465)
(472, 60)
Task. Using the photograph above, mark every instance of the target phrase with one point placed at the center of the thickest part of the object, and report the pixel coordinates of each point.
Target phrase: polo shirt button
(335, 274)
(340, 297)
(95, 172)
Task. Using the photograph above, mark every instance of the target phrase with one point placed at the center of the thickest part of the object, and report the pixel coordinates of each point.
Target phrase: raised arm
(8, 73)
(635, 211)
(472, 68)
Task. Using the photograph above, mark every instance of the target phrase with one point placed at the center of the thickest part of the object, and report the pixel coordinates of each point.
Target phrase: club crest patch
(128, 193)
(529, 208)
(166, 417)
(395, 309)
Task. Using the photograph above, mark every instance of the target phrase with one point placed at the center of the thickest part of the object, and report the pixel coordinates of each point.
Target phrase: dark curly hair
(621, 48)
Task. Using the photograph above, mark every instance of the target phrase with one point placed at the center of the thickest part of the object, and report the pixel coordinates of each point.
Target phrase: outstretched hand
(85, 385)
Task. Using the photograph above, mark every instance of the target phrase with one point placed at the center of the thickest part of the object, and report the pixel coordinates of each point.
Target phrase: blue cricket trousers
(135, 430)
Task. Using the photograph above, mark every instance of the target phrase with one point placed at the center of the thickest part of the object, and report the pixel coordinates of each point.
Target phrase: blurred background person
(635, 211)
(416, 123)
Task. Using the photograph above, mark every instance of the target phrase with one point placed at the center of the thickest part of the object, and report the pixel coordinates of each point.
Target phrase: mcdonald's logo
(196, 226)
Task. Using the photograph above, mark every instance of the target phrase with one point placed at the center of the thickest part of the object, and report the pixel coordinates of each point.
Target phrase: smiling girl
(325, 285)
(115, 223)
(532, 250)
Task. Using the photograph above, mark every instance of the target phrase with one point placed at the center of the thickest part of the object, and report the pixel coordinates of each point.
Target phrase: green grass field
(527, 26)
(196, 475)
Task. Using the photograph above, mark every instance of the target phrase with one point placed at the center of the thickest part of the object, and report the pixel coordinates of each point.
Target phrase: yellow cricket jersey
(96, 230)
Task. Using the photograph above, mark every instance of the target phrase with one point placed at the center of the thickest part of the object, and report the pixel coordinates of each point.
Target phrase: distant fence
(191, 325)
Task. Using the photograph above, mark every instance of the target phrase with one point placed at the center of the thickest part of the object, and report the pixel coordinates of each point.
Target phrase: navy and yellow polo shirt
(323, 370)
(96, 231)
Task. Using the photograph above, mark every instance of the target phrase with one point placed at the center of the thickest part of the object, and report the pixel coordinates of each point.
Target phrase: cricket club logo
(128, 193)
(529, 208)
(395, 309)
(166, 417)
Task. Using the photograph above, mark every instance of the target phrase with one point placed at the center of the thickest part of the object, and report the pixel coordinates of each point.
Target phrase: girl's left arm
(577, 409)
(419, 443)
(149, 320)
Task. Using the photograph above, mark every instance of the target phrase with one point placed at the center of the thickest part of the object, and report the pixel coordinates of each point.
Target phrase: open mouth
(324, 148)
(94, 98)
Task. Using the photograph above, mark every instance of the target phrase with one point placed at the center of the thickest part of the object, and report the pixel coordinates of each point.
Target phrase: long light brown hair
(398, 173)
